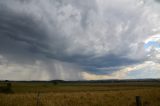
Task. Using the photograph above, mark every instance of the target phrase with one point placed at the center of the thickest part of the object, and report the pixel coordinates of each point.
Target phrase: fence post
(38, 96)
(138, 101)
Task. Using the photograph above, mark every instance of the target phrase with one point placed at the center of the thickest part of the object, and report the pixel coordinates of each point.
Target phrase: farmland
(81, 94)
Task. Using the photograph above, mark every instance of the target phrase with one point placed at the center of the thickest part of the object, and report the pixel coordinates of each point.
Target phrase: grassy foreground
(25, 94)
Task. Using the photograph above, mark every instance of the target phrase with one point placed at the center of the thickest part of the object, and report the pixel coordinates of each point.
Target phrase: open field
(81, 94)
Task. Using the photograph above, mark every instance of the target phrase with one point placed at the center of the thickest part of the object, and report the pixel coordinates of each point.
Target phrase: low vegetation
(6, 87)
(88, 94)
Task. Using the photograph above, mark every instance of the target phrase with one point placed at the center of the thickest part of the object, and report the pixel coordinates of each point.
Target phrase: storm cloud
(56, 39)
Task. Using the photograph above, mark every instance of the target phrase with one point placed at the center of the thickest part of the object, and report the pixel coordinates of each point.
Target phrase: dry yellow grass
(93, 95)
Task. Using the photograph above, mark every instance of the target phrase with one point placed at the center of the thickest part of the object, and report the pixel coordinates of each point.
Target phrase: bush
(6, 88)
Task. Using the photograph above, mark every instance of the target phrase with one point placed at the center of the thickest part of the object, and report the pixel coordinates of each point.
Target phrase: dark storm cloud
(24, 38)
(106, 64)
(20, 36)
(95, 36)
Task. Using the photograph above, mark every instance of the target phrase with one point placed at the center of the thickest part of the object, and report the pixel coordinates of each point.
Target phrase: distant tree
(56, 82)
(6, 80)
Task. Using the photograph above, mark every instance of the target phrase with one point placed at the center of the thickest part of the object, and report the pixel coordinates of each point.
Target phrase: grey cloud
(20, 36)
(157, 0)
(39, 70)
(87, 35)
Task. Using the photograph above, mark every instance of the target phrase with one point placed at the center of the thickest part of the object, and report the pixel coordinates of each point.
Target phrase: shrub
(6, 88)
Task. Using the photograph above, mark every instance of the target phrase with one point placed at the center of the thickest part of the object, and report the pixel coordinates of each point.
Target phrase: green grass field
(81, 94)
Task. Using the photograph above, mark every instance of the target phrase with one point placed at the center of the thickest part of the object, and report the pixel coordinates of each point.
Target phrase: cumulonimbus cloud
(90, 35)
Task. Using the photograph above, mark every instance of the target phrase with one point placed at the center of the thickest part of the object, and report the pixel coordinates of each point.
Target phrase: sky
(79, 39)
